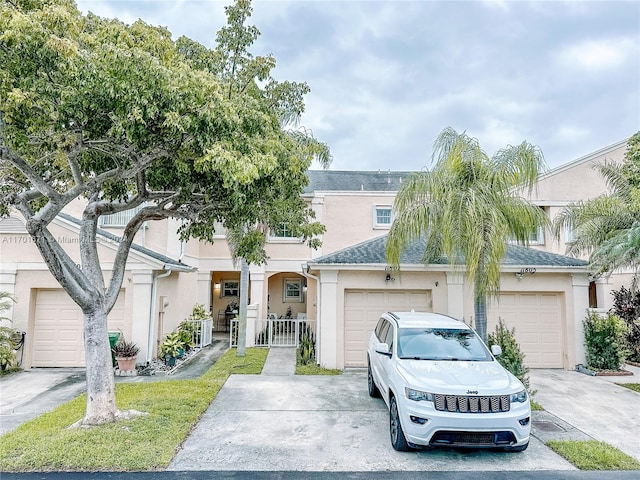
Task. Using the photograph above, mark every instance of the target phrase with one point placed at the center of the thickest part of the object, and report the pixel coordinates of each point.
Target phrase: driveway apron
(280, 421)
(594, 405)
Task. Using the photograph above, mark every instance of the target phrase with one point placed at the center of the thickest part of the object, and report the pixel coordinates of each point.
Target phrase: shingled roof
(373, 252)
(352, 181)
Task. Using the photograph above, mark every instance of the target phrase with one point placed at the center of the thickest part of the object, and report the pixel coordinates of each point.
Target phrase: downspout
(305, 272)
(152, 311)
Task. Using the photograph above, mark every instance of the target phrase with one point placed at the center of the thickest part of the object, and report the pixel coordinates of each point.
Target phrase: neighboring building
(339, 290)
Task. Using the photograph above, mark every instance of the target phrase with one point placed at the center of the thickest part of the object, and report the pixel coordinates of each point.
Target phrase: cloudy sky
(387, 76)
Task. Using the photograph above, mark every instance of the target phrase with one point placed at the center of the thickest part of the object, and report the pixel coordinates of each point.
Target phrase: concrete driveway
(322, 423)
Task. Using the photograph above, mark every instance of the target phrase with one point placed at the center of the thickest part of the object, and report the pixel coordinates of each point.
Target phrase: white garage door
(362, 309)
(58, 329)
(537, 319)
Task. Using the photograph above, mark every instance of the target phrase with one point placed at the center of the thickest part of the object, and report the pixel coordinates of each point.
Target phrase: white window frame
(537, 238)
(289, 285)
(275, 238)
(376, 223)
(569, 234)
(120, 219)
(220, 230)
(229, 288)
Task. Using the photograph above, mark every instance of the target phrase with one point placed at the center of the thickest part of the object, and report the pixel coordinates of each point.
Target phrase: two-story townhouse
(339, 289)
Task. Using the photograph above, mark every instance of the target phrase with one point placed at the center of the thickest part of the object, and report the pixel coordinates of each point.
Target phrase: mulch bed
(612, 373)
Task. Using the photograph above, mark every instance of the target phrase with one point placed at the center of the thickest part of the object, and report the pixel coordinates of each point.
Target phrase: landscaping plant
(626, 305)
(7, 335)
(604, 339)
(512, 357)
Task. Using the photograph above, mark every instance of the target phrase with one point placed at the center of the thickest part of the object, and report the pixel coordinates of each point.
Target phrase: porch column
(203, 294)
(141, 301)
(575, 329)
(328, 321)
(455, 294)
(604, 287)
(257, 292)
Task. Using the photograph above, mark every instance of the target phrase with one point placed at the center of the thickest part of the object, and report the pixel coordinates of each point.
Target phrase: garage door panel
(58, 329)
(362, 311)
(537, 319)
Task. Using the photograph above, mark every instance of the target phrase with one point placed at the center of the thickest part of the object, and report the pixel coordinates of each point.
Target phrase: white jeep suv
(443, 387)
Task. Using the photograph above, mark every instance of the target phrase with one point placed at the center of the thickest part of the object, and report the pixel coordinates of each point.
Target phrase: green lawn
(631, 386)
(315, 369)
(144, 443)
(593, 455)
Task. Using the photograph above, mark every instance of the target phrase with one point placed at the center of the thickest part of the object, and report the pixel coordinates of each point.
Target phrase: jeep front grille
(467, 404)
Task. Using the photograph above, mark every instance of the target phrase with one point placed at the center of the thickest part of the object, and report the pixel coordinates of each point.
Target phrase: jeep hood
(458, 377)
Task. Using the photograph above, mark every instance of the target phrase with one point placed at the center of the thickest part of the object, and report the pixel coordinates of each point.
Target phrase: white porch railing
(202, 332)
(281, 332)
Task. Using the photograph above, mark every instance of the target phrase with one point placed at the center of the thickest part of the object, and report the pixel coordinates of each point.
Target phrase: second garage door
(537, 320)
(362, 309)
(58, 329)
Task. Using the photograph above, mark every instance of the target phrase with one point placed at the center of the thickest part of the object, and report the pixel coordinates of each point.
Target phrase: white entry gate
(279, 332)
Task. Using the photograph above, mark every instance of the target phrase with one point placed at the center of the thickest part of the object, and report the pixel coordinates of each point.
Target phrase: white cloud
(598, 55)
(387, 76)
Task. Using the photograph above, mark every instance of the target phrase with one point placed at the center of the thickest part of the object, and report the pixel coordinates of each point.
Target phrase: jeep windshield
(441, 344)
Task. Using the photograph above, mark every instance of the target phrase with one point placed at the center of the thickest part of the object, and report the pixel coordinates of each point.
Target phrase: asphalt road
(289, 475)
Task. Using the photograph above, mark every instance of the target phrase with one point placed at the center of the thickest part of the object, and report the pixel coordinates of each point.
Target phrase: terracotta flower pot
(126, 363)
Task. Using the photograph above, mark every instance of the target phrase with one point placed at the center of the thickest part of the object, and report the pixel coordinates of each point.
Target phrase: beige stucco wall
(348, 217)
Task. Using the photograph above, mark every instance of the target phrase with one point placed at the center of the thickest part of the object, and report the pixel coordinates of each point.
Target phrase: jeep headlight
(417, 395)
(519, 397)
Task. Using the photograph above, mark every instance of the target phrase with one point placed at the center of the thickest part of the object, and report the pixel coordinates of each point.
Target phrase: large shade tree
(115, 117)
(467, 210)
(607, 227)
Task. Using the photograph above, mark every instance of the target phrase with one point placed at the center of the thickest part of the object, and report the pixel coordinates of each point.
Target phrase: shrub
(604, 339)
(626, 305)
(306, 353)
(512, 357)
(8, 339)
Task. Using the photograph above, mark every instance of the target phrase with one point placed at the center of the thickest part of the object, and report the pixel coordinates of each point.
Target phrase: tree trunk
(480, 309)
(242, 310)
(101, 397)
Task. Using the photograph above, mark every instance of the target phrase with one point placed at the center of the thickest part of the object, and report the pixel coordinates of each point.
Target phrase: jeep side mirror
(383, 349)
(496, 350)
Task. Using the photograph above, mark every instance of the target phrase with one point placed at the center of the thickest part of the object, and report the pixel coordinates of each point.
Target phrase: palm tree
(608, 227)
(467, 209)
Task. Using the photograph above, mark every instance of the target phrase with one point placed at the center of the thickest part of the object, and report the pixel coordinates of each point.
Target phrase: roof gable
(169, 263)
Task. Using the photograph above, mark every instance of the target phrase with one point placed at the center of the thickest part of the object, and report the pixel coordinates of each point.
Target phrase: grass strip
(536, 407)
(631, 386)
(143, 443)
(593, 455)
(315, 369)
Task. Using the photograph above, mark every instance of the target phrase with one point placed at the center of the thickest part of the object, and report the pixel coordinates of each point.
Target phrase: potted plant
(125, 353)
(170, 348)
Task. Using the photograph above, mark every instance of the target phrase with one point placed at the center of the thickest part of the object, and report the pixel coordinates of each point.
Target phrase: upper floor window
(284, 232)
(568, 234)
(382, 216)
(219, 229)
(120, 219)
(537, 237)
